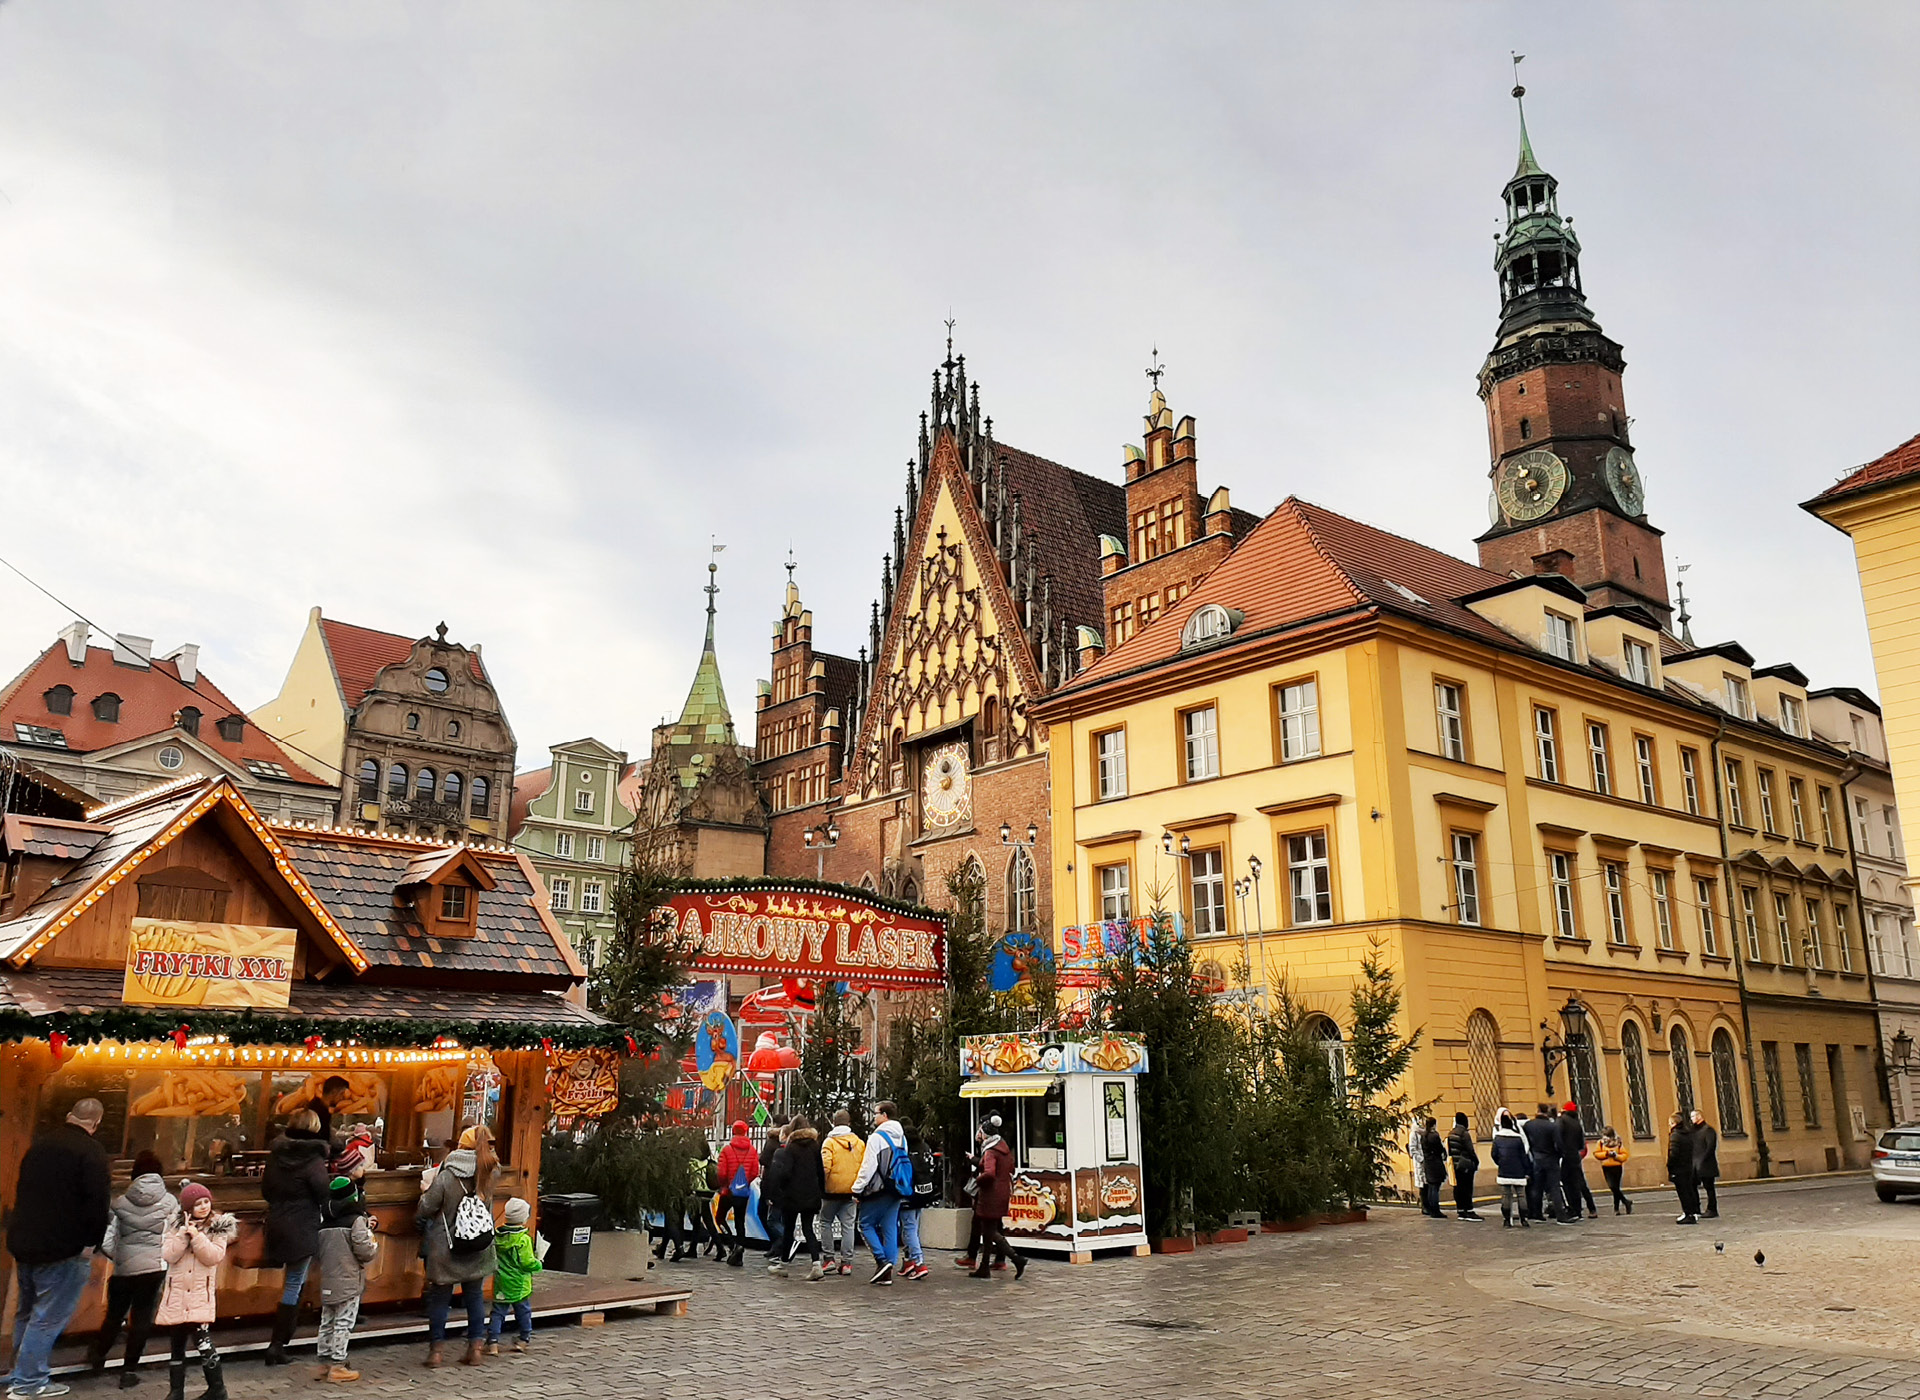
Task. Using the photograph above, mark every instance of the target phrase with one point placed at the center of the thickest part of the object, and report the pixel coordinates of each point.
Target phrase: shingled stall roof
(1889, 469)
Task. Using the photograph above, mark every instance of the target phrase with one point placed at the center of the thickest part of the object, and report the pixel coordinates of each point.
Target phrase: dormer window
(107, 708)
(233, 728)
(1639, 659)
(1559, 638)
(1212, 623)
(1793, 717)
(437, 681)
(60, 700)
(1739, 702)
(455, 901)
(187, 720)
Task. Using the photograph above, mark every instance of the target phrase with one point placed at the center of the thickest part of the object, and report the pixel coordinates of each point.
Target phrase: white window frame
(1309, 879)
(1816, 955)
(1690, 779)
(1200, 736)
(1877, 946)
(1890, 820)
(1649, 774)
(592, 897)
(596, 848)
(1614, 879)
(1110, 751)
(1465, 850)
(1843, 936)
(1783, 926)
(1662, 884)
(1299, 721)
(560, 894)
(1116, 893)
(1546, 744)
(1599, 757)
(583, 801)
(1736, 799)
(1793, 719)
(1566, 916)
(1750, 921)
(1207, 889)
(1639, 659)
(1763, 783)
(563, 844)
(1449, 702)
(1825, 795)
(1561, 637)
(1703, 891)
(1797, 807)
(1739, 698)
(1863, 825)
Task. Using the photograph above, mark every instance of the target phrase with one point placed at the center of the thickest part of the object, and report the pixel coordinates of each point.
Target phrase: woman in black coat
(801, 1181)
(295, 1188)
(1433, 1154)
(1680, 1169)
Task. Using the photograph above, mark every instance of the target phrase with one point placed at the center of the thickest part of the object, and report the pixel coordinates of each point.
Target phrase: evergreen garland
(251, 1027)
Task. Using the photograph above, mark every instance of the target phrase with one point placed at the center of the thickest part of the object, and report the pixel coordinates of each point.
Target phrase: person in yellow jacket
(840, 1155)
(1612, 1154)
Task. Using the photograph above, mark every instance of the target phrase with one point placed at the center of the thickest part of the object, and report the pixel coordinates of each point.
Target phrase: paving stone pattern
(1384, 1309)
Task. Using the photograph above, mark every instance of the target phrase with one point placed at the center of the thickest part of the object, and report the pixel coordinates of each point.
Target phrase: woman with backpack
(739, 1168)
(455, 1220)
(295, 1187)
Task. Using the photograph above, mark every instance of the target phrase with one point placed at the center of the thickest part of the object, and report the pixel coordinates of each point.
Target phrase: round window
(436, 680)
(170, 758)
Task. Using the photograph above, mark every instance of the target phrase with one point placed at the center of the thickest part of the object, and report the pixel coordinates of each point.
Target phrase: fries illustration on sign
(171, 962)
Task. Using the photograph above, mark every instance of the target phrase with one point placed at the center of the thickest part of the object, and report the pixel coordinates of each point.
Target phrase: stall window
(1114, 1097)
(1044, 1125)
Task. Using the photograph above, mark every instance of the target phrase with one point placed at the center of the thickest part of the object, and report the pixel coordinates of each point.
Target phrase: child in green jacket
(515, 1266)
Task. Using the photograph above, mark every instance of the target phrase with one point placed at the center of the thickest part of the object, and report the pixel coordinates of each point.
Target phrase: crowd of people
(166, 1248)
(818, 1194)
(1539, 1164)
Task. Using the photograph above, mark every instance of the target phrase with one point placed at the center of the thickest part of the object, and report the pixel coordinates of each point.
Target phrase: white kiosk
(1069, 1110)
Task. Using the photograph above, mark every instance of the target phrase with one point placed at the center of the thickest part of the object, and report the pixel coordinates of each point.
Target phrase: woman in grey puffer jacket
(467, 1173)
(136, 1232)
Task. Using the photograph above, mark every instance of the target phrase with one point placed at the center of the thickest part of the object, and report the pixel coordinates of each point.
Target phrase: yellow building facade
(1342, 739)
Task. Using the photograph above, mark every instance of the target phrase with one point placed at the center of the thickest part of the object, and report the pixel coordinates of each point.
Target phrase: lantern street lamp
(1573, 1040)
(820, 840)
(1902, 1053)
(1007, 838)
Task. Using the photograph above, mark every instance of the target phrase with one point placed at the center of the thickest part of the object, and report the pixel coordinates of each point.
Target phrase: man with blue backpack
(884, 1182)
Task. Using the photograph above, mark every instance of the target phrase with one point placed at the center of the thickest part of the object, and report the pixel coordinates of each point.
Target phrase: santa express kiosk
(1069, 1110)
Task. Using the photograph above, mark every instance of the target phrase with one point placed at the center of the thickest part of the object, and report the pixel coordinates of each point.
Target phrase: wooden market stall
(203, 974)
(1070, 1112)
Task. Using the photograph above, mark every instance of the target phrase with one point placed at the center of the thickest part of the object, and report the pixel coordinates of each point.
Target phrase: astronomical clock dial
(1623, 479)
(946, 790)
(1531, 484)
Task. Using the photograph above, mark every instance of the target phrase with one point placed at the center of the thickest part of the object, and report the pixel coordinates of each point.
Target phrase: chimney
(1091, 646)
(186, 658)
(1554, 561)
(129, 650)
(1219, 513)
(74, 634)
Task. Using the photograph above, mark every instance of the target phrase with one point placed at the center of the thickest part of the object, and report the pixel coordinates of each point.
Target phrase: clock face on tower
(1531, 484)
(946, 790)
(1623, 479)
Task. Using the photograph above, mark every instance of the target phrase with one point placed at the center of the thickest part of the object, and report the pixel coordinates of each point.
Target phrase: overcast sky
(495, 313)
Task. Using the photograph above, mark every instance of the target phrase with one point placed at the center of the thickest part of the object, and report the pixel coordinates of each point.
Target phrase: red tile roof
(1898, 465)
(149, 697)
(1305, 562)
(527, 789)
(359, 653)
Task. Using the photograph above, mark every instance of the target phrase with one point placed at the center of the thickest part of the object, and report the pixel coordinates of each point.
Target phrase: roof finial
(712, 590)
(1685, 618)
(1156, 369)
(790, 563)
(947, 364)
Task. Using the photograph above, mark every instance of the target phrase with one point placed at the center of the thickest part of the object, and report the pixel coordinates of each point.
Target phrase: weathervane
(1156, 370)
(1518, 91)
(949, 360)
(1685, 618)
(790, 562)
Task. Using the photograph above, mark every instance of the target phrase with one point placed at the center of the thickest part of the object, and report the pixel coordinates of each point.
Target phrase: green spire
(705, 719)
(1528, 165)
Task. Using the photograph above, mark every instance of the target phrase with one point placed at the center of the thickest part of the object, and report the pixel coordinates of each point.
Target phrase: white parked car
(1896, 1163)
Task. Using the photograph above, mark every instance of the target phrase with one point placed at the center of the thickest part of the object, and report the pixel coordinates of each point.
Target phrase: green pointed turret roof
(705, 719)
(1528, 165)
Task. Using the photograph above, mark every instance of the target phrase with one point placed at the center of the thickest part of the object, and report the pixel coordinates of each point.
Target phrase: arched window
(477, 794)
(910, 892)
(977, 881)
(187, 720)
(453, 729)
(1323, 1029)
(866, 882)
(369, 781)
(425, 783)
(1583, 1086)
(107, 708)
(60, 700)
(893, 747)
(1682, 1069)
(1211, 623)
(1483, 1071)
(1726, 1084)
(1022, 898)
(990, 717)
(451, 789)
(1633, 1062)
(1526, 429)
(397, 780)
(413, 722)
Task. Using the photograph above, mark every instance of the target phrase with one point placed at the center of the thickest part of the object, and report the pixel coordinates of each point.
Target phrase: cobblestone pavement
(1400, 1306)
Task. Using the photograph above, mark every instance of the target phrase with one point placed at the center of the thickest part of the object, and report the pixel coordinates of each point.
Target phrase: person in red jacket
(990, 1203)
(739, 1168)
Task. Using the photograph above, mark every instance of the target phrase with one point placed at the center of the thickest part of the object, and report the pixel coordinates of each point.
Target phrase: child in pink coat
(195, 1244)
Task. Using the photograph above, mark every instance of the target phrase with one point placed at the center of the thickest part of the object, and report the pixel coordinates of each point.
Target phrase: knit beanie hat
(518, 1212)
(1569, 1107)
(343, 1189)
(191, 1195)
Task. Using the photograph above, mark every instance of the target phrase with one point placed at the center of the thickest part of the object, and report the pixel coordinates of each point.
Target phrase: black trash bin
(566, 1223)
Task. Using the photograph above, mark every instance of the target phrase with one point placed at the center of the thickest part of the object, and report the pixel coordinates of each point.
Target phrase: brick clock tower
(1567, 496)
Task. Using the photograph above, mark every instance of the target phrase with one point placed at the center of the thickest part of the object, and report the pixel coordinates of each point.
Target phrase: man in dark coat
(1573, 1171)
(60, 1210)
(1680, 1169)
(333, 1092)
(1466, 1161)
(1433, 1159)
(1544, 1198)
(1706, 1160)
